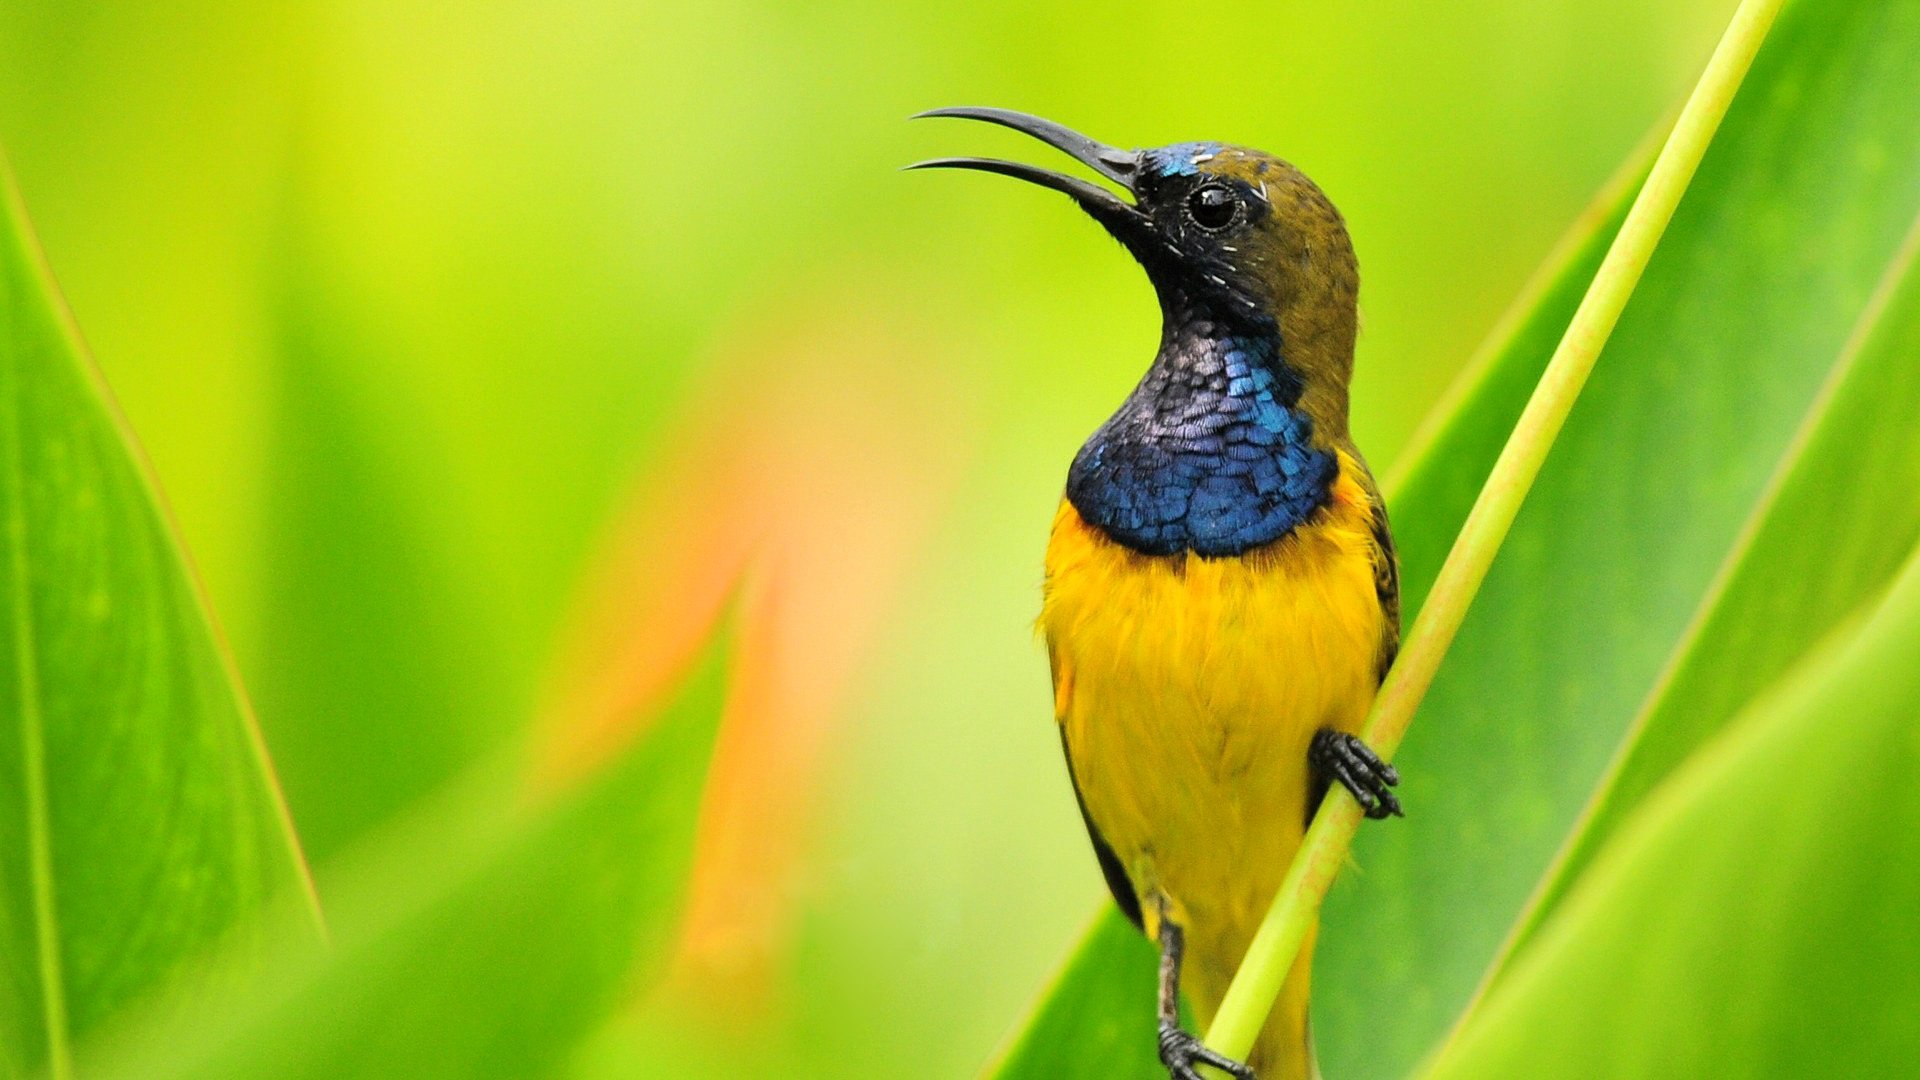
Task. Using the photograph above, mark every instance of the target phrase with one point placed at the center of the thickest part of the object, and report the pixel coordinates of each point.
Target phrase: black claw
(1343, 757)
(1180, 1051)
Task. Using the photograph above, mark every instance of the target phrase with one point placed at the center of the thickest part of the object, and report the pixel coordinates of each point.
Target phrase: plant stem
(1297, 904)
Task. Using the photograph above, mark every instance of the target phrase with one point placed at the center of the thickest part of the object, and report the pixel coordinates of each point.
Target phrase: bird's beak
(1121, 218)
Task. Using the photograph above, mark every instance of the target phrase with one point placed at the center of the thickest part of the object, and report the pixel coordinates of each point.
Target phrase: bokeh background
(481, 349)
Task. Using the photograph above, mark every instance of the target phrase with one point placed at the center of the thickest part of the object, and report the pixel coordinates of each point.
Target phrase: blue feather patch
(1181, 159)
(1210, 453)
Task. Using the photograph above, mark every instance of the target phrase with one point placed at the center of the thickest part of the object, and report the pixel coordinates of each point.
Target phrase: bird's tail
(1284, 1050)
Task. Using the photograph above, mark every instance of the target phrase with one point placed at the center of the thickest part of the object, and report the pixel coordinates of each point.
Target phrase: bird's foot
(1343, 757)
(1182, 1051)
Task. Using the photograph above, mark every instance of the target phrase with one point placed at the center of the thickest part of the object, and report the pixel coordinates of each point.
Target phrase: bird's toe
(1181, 1052)
(1345, 758)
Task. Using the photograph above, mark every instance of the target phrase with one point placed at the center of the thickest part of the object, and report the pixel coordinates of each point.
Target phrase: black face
(1205, 238)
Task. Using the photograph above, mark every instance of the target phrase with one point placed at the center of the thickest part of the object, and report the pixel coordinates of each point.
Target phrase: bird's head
(1232, 237)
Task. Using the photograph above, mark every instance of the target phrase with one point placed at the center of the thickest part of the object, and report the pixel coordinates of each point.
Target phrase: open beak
(1119, 166)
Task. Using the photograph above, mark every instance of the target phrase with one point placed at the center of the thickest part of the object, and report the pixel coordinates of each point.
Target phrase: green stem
(1297, 905)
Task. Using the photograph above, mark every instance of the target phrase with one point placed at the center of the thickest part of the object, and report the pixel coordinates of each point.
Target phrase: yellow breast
(1190, 687)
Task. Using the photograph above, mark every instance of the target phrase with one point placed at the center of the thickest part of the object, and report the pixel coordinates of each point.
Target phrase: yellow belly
(1189, 689)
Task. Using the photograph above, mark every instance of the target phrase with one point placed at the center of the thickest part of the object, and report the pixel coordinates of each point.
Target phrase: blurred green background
(434, 319)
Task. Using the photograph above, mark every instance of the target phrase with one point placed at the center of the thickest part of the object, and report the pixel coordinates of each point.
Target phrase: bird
(1221, 596)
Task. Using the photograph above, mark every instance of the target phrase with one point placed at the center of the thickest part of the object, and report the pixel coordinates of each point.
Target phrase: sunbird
(1221, 596)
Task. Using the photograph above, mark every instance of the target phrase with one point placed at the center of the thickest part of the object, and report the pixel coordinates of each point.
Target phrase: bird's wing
(1386, 565)
(1110, 868)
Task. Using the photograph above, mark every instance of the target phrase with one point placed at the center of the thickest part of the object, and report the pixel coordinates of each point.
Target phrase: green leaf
(1754, 917)
(1791, 221)
(1839, 517)
(481, 936)
(1100, 1012)
(1790, 224)
(141, 822)
(379, 679)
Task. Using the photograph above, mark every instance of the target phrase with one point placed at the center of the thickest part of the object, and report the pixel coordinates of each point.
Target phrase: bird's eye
(1213, 208)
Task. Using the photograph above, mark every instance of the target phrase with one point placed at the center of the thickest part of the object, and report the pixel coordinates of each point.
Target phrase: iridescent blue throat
(1209, 453)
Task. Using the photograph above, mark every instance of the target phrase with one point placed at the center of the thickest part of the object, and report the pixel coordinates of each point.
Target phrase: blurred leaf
(1098, 1019)
(378, 679)
(142, 822)
(483, 936)
(1754, 916)
(147, 138)
(1791, 221)
(1435, 484)
(1838, 519)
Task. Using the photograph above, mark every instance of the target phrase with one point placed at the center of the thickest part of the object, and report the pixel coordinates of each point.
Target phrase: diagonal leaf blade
(1789, 225)
(1094, 1012)
(1855, 470)
(483, 935)
(1788, 958)
(143, 823)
